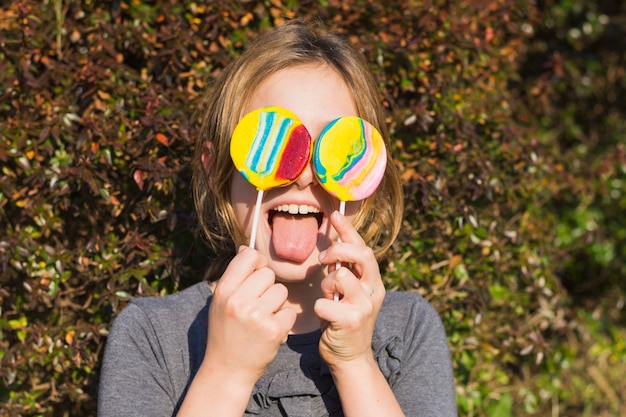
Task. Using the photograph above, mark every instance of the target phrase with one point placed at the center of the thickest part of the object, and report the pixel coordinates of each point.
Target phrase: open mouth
(296, 211)
(295, 230)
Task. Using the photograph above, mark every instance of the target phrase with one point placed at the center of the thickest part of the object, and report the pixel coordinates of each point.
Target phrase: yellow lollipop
(349, 160)
(270, 147)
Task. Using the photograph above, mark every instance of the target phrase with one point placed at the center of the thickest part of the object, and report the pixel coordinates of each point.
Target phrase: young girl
(264, 335)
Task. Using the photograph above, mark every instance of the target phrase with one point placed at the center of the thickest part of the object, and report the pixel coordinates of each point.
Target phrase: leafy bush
(509, 133)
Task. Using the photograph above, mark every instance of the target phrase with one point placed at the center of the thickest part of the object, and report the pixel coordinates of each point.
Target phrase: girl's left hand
(348, 325)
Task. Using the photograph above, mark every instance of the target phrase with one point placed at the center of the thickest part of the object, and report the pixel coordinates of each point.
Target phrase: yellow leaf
(20, 323)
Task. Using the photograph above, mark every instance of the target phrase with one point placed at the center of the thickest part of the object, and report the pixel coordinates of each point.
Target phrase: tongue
(294, 237)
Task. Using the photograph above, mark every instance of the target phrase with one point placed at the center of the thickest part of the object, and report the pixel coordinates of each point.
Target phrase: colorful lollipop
(349, 160)
(270, 147)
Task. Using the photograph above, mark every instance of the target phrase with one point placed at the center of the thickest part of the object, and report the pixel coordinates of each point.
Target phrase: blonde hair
(291, 44)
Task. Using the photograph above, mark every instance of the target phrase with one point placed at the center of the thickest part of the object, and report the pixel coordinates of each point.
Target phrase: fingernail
(322, 255)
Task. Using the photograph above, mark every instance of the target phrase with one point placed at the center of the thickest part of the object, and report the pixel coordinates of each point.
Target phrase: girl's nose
(307, 177)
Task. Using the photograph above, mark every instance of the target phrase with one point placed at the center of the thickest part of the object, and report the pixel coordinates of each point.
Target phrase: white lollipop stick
(255, 219)
(342, 210)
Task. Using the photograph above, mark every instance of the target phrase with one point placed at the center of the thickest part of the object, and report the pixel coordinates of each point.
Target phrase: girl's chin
(296, 272)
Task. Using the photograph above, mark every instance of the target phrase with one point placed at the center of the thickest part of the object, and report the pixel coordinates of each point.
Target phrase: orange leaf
(489, 34)
(69, 337)
(409, 175)
(163, 140)
(454, 261)
(103, 95)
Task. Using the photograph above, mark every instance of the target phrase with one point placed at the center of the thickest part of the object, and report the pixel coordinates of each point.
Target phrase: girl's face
(292, 242)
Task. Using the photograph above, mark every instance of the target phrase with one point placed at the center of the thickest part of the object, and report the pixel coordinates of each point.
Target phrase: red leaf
(138, 177)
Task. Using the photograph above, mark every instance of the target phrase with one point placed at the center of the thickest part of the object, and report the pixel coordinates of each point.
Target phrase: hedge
(508, 127)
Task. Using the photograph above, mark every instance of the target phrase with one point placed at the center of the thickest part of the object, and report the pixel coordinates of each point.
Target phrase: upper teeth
(297, 209)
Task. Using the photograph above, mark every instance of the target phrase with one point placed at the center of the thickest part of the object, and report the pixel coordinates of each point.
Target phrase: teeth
(296, 209)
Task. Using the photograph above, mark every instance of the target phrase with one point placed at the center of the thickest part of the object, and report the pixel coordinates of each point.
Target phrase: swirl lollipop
(270, 147)
(349, 160)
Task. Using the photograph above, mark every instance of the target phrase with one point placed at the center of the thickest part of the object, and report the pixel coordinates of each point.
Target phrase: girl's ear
(208, 154)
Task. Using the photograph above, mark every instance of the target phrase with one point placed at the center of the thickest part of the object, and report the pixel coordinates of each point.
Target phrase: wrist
(355, 365)
(215, 388)
(226, 375)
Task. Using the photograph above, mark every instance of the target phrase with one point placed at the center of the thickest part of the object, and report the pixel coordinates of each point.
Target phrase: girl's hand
(247, 324)
(349, 323)
(247, 319)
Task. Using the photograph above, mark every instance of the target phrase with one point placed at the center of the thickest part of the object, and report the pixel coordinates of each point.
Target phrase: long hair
(291, 44)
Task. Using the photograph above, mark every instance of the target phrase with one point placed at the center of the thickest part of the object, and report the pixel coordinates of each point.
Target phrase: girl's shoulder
(193, 296)
(407, 315)
(179, 309)
(404, 304)
(408, 329)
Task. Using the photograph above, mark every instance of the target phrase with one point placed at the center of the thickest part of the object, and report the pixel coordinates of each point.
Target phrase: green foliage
(508, 129)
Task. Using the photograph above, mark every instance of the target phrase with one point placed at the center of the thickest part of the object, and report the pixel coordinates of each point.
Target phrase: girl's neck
(302, 297)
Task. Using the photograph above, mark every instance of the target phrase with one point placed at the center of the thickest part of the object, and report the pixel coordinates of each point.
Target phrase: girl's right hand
(247, 319)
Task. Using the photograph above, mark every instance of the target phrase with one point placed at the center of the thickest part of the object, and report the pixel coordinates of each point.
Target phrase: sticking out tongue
(294, 236)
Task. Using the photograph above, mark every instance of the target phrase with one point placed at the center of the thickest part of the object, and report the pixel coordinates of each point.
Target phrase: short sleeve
(422, 380)
(134, 379)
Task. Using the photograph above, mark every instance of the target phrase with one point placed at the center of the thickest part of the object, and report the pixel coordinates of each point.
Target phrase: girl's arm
(425, 384)
(363, 389)
(247, 324)
(349, 325)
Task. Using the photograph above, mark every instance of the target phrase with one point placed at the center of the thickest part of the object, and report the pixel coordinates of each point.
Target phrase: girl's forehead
(317, 94)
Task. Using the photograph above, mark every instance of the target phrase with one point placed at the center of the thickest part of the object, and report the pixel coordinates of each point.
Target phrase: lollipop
(349, 160)
(270, 147)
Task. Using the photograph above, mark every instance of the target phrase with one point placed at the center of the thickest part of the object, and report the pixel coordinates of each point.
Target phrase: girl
(265, 337)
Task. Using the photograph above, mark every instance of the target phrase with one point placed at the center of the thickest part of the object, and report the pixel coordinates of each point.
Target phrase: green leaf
(501, 408)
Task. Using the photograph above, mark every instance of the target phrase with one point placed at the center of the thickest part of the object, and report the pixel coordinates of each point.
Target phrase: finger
(329, 286)
(257, 281)
(358, 257)
(352, 288)
(345, 229)
(332, 312)
(342, 281)
(239, 269)
(273, 298)
(249, 299)
(286, 318)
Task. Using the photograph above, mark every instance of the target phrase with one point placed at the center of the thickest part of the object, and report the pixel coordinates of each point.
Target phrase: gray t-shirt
(156, 345)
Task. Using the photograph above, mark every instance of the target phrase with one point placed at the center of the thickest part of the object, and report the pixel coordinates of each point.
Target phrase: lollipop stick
(255, 219)
(342, 210)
